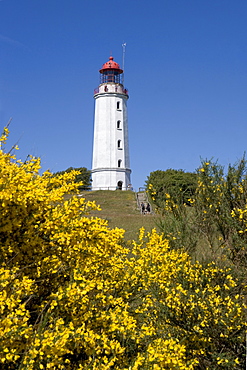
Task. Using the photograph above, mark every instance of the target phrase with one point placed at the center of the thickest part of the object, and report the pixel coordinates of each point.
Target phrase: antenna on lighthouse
(123, 46)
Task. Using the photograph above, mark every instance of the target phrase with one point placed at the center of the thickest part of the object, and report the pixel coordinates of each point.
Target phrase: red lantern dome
(111, 65)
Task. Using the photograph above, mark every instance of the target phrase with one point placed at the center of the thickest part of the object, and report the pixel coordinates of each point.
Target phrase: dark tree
(180, 186)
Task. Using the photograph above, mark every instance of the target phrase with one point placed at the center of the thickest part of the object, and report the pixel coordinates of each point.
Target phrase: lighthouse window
(118, 104)
(119, 163)
(119, 144)
(118, 124)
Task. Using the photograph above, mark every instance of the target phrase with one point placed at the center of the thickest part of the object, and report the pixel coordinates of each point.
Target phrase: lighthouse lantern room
(111, 164)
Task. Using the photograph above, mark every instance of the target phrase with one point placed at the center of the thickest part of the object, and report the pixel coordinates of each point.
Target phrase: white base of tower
(111, 179)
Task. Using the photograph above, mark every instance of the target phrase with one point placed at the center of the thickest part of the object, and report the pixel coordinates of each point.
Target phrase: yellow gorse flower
(74, 296)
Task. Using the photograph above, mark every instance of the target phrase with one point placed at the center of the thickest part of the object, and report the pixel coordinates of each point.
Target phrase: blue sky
(185, 69)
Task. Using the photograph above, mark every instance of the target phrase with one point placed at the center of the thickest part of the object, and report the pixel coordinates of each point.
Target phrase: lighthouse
(111, 163)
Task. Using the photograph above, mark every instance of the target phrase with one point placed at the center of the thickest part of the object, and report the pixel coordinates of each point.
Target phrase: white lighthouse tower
(111, 164)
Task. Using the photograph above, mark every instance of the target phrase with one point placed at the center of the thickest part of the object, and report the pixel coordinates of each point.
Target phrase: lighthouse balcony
(111, 88)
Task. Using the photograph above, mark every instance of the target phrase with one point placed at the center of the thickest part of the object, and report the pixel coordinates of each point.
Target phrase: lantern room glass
(110, 76)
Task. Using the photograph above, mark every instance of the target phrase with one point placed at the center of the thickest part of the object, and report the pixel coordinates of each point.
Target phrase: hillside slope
(120, 209)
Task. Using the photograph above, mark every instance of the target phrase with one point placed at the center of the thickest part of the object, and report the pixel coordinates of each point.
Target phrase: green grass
(119, 208)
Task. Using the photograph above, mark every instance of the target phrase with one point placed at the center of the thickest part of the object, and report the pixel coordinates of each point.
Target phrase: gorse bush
(75, 296)
(217, 212)
(83, 177)
(220, 204)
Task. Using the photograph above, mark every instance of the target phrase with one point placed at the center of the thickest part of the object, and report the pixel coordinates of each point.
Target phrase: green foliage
(83, 177)
(217, 217)
(178, 184)
(220, 204)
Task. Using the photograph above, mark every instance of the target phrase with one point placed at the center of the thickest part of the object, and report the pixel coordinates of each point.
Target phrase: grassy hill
(120, 209)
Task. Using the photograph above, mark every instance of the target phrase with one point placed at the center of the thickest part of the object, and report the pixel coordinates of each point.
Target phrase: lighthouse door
(120, 185)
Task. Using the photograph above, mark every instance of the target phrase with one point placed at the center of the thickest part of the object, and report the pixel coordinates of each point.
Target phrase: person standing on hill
(148, 209)
(143, 207)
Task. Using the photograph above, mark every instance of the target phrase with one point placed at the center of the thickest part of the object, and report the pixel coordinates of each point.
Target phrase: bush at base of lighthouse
(74, 297)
